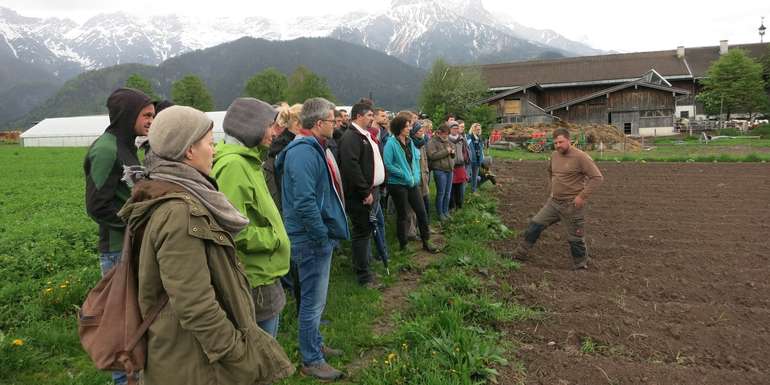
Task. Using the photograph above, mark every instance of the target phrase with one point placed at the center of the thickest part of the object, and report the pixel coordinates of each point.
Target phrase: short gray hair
(313, 110)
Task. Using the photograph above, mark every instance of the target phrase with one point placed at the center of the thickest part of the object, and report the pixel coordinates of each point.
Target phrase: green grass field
(446, 333)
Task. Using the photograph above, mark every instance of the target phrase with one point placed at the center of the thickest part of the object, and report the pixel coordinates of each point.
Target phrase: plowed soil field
(678, 285)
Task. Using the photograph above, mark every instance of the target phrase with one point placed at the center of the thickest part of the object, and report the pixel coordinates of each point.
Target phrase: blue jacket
(476, 150)
(312, 209)
(399, 172)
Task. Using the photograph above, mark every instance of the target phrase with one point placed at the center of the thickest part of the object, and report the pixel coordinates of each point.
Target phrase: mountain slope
(351, 72)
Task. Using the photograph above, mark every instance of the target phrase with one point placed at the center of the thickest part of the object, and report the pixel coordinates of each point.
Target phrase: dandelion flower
(18, 342)
(48, 290)
(391, 356)
(63, 286)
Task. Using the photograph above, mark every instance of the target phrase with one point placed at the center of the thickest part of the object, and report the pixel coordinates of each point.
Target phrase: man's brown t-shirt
(573, 174)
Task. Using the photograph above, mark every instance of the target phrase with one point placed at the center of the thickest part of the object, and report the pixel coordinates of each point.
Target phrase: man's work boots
(579, 254)
(322, 372)
(522, 251)
(580, 263)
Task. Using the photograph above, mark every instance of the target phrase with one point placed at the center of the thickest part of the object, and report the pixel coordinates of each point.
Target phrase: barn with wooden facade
(640, 93)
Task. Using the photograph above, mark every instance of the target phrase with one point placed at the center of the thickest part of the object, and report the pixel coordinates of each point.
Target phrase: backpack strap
(124, 357)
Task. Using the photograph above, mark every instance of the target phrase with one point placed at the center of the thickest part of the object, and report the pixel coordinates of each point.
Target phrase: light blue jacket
(399, 171)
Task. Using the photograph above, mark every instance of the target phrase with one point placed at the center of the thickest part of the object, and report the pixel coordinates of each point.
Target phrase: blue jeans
(443, 191)
(474, 178)
(106, 262)
(314, 265)
(378, 224)
(270, 326)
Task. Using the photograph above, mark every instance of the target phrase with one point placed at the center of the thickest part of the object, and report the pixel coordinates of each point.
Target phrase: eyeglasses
(328, 120)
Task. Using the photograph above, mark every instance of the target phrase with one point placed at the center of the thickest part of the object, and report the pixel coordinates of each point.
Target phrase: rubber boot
(579, 254)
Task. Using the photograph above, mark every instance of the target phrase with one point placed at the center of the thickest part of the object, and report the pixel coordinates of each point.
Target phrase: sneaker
(373, 284)
(427, 246)
(323, 372)
(330, 352)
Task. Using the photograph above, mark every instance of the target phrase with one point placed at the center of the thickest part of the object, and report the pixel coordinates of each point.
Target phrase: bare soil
(678, 285)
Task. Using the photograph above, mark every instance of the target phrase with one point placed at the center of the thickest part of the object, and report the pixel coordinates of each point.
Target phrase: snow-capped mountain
(415, 31)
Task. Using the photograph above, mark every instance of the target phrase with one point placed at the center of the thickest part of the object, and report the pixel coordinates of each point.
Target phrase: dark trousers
(361, 234)
(404, 197)
(458, 195)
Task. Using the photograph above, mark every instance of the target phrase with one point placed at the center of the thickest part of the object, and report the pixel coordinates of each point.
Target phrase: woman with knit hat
(184, 229)
(263, 247)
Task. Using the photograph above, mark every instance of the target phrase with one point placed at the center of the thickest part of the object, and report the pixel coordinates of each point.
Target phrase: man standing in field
(574, 176)
(131, 113)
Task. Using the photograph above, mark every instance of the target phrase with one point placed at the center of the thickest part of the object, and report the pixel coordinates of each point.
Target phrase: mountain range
(39, 54)
(351, 71)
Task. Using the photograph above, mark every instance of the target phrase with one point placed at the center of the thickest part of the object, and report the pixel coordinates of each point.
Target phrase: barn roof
(636, 83)
(512, 91)
(93, 125)
(609, 68)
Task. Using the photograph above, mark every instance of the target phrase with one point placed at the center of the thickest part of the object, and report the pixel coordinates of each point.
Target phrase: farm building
(81, 131)
(539, 90)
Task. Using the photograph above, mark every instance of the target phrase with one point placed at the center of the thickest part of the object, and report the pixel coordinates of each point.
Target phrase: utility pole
(762, 30)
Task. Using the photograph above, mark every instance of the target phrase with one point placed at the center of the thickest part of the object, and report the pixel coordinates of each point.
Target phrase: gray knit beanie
(247, 119)
(177, 128)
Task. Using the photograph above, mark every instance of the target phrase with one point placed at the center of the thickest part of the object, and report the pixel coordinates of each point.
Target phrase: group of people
(223, 229)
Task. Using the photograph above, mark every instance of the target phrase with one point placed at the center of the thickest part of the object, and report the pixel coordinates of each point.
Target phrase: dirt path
(394, 299)
(678, 287)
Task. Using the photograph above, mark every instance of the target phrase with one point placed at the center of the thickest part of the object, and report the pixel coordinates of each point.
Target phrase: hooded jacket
(207, 333)
(103, 166)
(263, 245)
(399, 171)
(312, 208)
(271, 177)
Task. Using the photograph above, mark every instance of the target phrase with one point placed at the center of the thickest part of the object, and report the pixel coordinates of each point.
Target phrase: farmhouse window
(512, 107)
(627, 128)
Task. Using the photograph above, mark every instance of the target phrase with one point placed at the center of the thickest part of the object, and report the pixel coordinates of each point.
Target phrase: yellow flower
(391, 356)
(18, 342)
(63, 286)
(48, 290)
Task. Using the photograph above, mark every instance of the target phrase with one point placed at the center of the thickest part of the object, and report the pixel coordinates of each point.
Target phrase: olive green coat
(207, 333)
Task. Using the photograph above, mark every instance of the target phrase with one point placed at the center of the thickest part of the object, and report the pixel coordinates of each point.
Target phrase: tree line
(269, 85)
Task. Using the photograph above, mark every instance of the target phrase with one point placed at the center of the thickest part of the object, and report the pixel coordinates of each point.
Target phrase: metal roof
(94, 125)
(608, 68)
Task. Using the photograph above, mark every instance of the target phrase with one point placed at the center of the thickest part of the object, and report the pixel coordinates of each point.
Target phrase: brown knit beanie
(177, 128)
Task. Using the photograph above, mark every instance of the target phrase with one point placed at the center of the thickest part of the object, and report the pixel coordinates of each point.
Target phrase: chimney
(680, 52)
(723, 47)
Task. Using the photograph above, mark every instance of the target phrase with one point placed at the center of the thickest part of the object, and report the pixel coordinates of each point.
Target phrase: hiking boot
(522, 252)
(373, 284)
(427, 246)
(322, 372)
(330, 352)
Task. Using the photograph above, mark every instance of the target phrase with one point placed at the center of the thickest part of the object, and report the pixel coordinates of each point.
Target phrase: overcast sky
(610, 25)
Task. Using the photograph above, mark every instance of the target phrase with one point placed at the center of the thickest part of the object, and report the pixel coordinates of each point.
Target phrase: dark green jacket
(103, 167)
(207, 333)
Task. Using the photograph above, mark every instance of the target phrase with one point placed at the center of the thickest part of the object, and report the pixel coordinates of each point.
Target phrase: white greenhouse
(81, 131)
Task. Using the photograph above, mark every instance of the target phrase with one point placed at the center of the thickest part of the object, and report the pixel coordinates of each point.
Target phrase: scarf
(200, 186)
